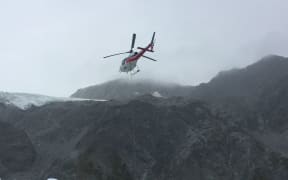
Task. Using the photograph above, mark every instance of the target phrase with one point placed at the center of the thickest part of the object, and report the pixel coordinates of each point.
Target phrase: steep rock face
(273, 106)
(254, 96)
(16, 150)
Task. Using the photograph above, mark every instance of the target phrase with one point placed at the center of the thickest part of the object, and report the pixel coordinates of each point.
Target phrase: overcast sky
(55, 47)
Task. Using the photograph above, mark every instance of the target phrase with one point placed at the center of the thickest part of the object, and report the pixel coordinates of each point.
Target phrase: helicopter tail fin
(151, 45)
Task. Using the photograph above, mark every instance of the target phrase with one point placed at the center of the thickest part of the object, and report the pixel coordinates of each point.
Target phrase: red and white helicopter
(129, 63)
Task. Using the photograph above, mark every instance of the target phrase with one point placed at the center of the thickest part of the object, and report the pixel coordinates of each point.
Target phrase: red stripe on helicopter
(136, 57)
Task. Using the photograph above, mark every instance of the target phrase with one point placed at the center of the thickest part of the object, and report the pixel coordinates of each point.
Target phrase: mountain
(122, 89)
(234, 127)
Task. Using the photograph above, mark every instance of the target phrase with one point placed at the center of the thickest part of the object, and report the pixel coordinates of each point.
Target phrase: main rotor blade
(149, 58)
(133, 41)
(116, 54)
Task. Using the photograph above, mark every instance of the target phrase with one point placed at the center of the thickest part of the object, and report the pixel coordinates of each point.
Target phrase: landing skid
(134, 72)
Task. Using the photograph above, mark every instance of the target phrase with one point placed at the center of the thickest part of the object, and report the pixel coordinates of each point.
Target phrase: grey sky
(54, 47)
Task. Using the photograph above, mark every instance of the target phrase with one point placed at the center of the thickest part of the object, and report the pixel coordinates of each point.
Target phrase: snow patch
(25, 101)
(136, 93)
(157, 94)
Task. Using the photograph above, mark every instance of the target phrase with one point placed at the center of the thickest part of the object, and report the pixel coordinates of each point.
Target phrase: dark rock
(16, 150)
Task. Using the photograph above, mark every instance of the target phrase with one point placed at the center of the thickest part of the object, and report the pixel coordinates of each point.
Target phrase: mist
(56, 47)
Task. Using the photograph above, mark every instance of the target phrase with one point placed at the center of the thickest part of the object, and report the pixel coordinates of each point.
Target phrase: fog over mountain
(122, 89)
(249, 82)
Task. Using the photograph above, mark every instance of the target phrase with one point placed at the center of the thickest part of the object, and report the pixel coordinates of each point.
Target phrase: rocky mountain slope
(177, 139)
(17, 152)
(226, 134)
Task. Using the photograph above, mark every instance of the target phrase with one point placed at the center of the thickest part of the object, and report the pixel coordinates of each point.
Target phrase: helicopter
(129, 63)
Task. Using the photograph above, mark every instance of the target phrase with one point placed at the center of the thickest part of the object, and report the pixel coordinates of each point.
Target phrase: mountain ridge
(122, 89)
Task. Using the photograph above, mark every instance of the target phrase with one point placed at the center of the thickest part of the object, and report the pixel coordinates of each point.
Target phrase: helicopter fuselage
(130, 62)
(127, 66)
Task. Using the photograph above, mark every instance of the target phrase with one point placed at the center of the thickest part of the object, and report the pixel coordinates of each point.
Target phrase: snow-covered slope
(25, 101)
